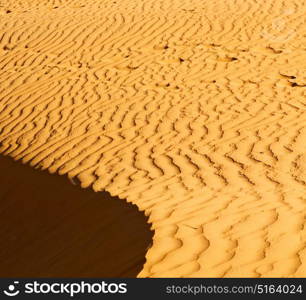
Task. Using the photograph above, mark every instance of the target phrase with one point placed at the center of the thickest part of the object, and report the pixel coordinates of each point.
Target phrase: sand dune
(192, 110)
(50, 228)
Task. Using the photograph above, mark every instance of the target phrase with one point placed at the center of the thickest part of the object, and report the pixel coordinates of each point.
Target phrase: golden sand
(192, 110)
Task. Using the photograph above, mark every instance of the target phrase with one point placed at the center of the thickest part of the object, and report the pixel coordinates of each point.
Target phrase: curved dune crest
(192, 110)
(50, 228)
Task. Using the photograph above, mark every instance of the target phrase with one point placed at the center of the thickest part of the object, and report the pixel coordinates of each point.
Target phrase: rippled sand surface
(192, 110)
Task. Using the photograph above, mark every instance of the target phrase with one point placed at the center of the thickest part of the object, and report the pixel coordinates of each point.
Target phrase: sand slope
(193, 110)
(50, 228)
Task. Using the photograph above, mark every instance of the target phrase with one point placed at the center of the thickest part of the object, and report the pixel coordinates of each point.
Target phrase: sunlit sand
(192, 110)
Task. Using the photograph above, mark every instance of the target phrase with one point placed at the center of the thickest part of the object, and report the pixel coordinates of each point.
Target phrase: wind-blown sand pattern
(192, 110)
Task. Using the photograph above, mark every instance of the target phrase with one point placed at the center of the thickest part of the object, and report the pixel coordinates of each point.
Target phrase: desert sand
(192, 110)
(50, 228)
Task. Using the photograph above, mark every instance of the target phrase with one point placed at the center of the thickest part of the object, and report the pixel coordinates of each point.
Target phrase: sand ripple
(193, 110)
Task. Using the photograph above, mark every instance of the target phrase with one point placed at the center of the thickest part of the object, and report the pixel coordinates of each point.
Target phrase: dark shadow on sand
(51, 228)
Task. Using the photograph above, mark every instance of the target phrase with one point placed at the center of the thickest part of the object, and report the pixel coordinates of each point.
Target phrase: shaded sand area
(192, 110)
(51, 228)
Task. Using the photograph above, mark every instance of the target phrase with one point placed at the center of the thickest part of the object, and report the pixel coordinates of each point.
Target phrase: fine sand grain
(192, 110)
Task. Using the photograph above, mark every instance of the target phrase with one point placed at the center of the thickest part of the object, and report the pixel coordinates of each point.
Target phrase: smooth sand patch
(51, 228)
(192, 110)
